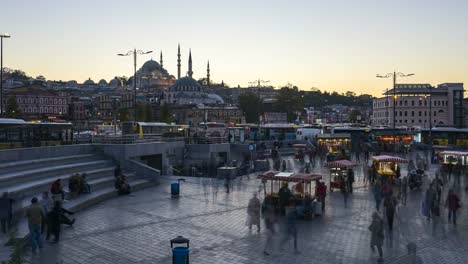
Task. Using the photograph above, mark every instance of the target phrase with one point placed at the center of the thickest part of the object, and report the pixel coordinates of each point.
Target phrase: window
(406, 113)
(401, 113)
(406, 103)
(406, 121)
(425, 103)
(412, 102)
(441, 111)
(435, 113)
(425, 113)
(420, 121)
(401, 102)
(420, 102)
(41, 101)
(401, 121)
(412, 113)
(41, 109)
(412, 121)
(55, 110)
(55, 101)
(420, 114)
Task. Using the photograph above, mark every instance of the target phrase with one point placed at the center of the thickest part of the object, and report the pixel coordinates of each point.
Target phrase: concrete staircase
(25, 179)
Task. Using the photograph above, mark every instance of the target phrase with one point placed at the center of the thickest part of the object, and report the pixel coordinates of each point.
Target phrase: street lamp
(2, 36)
(394, 75)
(134, 52)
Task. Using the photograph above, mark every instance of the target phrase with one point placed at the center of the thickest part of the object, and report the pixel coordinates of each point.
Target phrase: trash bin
(175, 189)
(180, 255)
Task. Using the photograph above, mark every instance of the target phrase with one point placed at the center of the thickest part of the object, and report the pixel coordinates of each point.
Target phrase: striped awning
(295, 177)
(389, 159)
(340, 164)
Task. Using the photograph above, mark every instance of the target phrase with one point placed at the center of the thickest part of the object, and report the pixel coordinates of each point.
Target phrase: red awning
(299, 145)
(340, 164)
(296, 177)
(389, 159)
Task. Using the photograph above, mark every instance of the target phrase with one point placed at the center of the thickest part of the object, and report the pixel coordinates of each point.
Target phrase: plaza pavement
(138, 228)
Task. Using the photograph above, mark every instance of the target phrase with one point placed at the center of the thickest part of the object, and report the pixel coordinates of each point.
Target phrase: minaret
(178, 61)
(190, 72)
(208, 74)
(160, 59)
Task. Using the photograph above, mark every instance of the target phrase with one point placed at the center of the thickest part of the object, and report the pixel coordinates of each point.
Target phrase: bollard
(180, 255)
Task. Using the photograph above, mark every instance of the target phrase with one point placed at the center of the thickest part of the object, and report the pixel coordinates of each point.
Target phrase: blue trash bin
(180, 255)
(175, 189)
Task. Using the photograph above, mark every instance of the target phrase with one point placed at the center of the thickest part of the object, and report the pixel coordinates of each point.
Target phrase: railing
(207, 140)
(133, 139)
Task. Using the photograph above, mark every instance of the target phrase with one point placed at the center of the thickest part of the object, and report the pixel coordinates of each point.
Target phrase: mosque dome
(216, 98)
(114, 82)
(89, 82)
(186, 84)
(102, 82)
(150, 66)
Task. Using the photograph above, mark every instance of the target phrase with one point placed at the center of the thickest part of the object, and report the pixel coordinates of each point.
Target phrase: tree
(123, 115)
(353, 116)
(165, 114)
(252, 107)
(148, 113)
(290, 101)
(41, 78)
(140, 112)
(12, 110)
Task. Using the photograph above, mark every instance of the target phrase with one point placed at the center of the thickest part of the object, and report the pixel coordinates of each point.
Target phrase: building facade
(38, 102)
(420, 105)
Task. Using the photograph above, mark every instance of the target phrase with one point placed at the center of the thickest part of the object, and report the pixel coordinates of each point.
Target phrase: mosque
(152, 77)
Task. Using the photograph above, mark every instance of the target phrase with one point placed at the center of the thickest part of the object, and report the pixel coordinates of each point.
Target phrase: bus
(154, 128)
(445, 136)
(17, 133)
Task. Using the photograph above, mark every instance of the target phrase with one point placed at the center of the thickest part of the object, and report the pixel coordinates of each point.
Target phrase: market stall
(339, 172)
(388, 166)
(451, 157)
(303, 188)
(337, 145)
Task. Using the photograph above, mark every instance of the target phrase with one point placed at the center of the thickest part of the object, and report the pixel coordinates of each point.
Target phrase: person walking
(428, 202)
(35, 213)
(321, 191)
(6, 206)
(268, 213)
(227, 182)
(377, 234)
(350, 180)
(377, 191)
(412, 258)
(404, 190)
(291, 228)
(54, 222)
(345, 192)
(253, 212)
(284, 195)
(453, 204)
(47, 204)
(390, 203)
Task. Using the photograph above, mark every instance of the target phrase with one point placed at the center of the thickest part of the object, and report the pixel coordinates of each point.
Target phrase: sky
(333, 45)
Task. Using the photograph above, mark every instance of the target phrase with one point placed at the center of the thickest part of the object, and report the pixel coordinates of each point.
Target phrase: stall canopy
(289, 177)
(389, 159)
(454, 153)
(340, 164)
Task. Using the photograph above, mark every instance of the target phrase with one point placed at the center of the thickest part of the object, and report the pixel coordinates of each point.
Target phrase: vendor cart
(388, 166)
(450, 157)
(302, 189)
(339, 172)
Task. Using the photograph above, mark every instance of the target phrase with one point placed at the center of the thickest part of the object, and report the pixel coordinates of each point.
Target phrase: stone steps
(14, 166)
(18, 177)
(86, 200)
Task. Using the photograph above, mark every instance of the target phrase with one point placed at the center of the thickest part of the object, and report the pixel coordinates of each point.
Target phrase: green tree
(124, 115)
(290, 100)
(252, 107)
(41, 78)
(148, 113)
(165, 114)
(12, 110)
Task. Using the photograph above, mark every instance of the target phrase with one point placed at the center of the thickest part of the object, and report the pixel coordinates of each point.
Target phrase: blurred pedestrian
(268, 214)
(47, 204)
(390, 203)
(453, 204)
(291, 228)
(253, 212)
(350, 180)
(377, 191)
(345, 192)
(6, 212)
(404, 189)
(412, 258)
(35, 214)
(377, 234)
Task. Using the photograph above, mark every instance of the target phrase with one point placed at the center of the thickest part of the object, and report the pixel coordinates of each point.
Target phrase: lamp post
(134, 52)
(394, 75)
(2, 36)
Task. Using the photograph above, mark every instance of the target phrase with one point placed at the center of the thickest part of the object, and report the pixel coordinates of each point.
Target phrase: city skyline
(337, 46)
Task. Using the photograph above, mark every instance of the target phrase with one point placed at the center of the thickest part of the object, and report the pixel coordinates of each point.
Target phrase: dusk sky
(332, 45)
